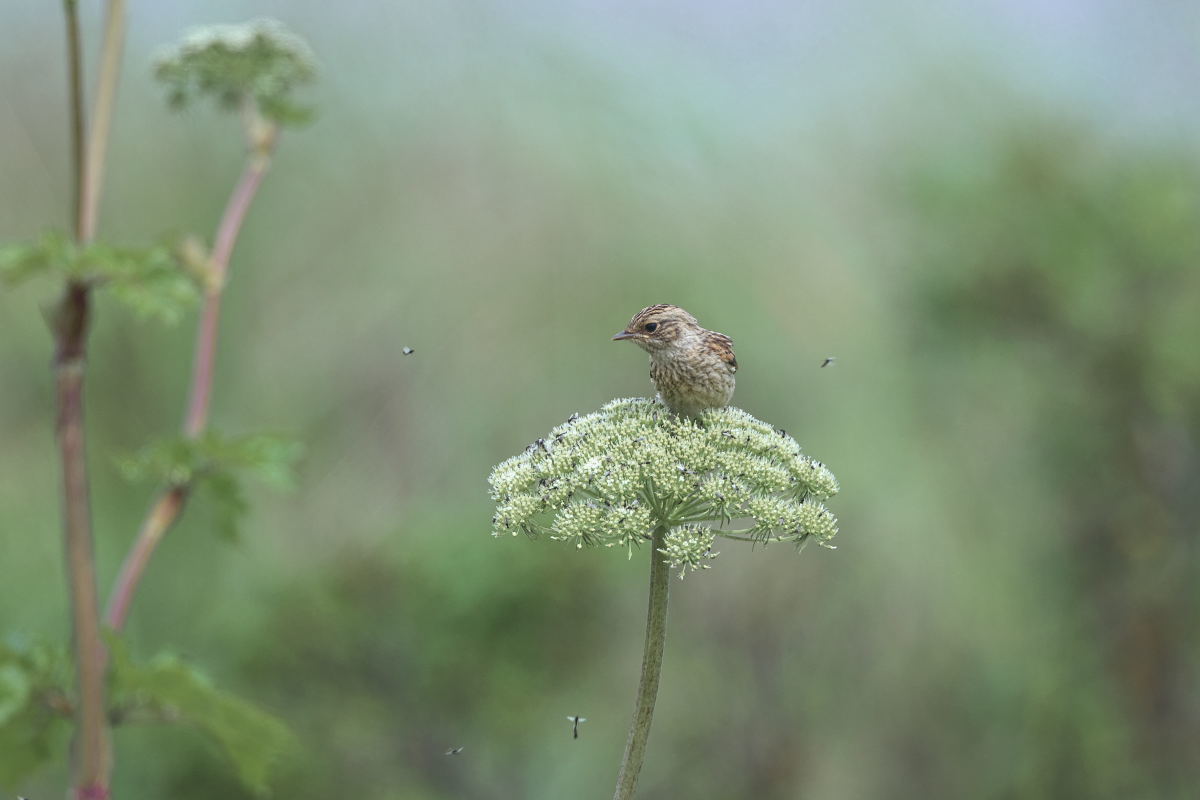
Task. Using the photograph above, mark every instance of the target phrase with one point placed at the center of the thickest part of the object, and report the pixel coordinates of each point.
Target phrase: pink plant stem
(102, 116)
(206, 337)
(91, 761)
(165, 510)
(168, 506)
(93, 755)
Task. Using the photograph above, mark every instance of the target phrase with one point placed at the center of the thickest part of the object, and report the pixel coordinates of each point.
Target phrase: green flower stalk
(634, 472)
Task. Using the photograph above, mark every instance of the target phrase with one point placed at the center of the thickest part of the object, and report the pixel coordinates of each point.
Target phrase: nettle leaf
(260, 60)
(20, 261)
(150, 280)
(213, 465)
(32, 731)
(167, 689)
(227, 501)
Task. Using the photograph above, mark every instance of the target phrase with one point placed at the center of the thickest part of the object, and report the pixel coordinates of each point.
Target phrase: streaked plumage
(691, 367)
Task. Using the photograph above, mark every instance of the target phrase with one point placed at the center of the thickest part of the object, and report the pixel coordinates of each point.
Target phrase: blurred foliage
(33, 727)
(36, 702)
(260, 60)
(1012, 411)
(166, 689)
(149, 280)
(1068, 267)
(211, 464)
(476, 658)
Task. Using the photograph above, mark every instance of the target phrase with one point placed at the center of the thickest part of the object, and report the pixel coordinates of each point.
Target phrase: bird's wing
(722, 346)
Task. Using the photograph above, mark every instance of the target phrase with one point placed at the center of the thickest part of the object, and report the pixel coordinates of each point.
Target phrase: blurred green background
(989, 212)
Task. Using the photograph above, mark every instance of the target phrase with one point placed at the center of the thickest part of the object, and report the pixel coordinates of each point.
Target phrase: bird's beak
(623, 335)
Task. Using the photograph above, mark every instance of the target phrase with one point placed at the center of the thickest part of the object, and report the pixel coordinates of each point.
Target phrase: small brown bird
(691, 367)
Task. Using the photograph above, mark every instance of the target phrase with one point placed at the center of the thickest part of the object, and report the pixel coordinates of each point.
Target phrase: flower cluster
(258, 60)
(609, 478)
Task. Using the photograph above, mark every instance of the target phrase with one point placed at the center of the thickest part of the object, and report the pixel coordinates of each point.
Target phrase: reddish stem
(102, 116)
(92, 759)
(162, 514)
(93, 754)
(170, 503)
(206, 337)
(75, 109)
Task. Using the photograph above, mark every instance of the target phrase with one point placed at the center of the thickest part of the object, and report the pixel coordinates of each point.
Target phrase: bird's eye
(650, 327)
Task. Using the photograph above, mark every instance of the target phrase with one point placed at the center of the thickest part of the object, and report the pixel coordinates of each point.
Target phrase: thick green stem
(656, 637)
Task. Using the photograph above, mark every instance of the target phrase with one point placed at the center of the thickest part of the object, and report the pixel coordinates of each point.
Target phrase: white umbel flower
(607, 479)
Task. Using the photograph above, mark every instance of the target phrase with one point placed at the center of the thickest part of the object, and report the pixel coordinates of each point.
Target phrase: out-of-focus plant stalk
(102, 114)
(75, 110)
(261, 136)
(92, 757)
(652, 656)
(92, 762)
(166, 509)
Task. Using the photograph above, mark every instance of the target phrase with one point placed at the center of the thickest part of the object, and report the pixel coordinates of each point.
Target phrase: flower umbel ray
(609, 478)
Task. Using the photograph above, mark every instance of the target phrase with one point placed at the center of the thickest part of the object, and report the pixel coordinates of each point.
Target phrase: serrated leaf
(20, 261)
(268, 458)
(171, 461)
(213, 465)
(250, 738)
(150, 280)
(228, 503)
(152, 283)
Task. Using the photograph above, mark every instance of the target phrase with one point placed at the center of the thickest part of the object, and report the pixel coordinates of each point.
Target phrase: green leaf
(228, 502)
(20, 261)
(213, 465)
(32, 733)
(29, 739)
(14, 691)
(150, 280)
(250, 738)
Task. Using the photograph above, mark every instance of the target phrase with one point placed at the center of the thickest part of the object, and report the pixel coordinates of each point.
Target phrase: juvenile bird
(691, 367)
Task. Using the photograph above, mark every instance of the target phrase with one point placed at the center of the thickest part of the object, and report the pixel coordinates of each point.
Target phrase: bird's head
(660, 327)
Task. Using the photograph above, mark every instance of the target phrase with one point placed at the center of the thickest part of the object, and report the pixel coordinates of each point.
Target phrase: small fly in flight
(828, 360)
(575, 725)
(453, 751)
